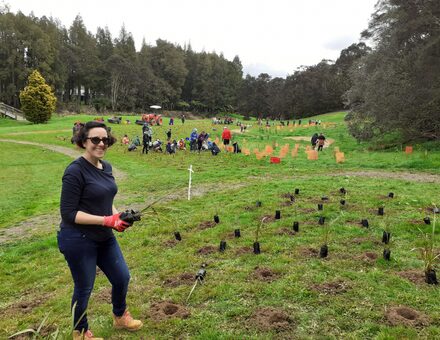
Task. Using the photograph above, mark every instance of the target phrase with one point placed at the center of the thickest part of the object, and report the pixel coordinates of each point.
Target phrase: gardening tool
(200, 276)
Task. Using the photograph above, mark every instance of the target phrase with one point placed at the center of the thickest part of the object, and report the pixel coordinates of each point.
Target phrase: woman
(86, 238)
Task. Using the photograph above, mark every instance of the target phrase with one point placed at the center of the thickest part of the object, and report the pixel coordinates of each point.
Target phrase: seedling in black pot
(427, 220)
(323, 252)
(428, 253)
(258, 204)
(320, 206)
(277, 214)
(380, 211)
(216, 219)
(237, 233)
(387, 254)
(343, 191)
(222, 247)
(296, 227)
(386, 236)
(257, 248)
(342, 202)
(177, 236)
(391, 195)
(364, 223)
(321, 220)
(257, 236)
(292, 198)
(296, 191)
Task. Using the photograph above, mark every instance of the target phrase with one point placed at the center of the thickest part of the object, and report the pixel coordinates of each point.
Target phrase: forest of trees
(393, 87)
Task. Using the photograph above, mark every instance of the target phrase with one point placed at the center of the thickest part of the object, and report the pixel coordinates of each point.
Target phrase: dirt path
(119, 175)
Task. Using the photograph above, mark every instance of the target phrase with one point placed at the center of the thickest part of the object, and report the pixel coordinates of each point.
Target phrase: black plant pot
(237, 233)
(320, 206)
(296, 191)
(386, 237)
(365, 223)
(258, 204)
(257, 248)
(342, 202)
(177, 236)
(387, 254)
(292, 198)
(216, 219)
(391, 195)
(431, 277)
(323, 252)
(296, 226)
(277, 214)
(380, 211)
(321, 220)
(324, 198)
(427, 220)
(343, 191)
(222, 247)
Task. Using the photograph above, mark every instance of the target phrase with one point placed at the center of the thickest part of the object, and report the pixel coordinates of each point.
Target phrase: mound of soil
(244, 250)
(170, 243)
(26, 305)
(271, 319)
(332, 288)
(402, 315)
(309, 252)
(369, 256)
(285, 231)
(164, 310)
(207, 250)
(265, 274)
(182, 279)
(415, 276)
(104, 295)
(267, 218)
(206, 225)
(287, 195)
(286, 204)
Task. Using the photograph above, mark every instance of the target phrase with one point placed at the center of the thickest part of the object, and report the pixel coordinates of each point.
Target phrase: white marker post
(189, 184)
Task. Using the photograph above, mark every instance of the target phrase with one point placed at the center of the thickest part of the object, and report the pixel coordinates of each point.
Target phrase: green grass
(34, 274)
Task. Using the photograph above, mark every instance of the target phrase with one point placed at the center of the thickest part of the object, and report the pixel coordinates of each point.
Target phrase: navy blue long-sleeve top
(91, 190)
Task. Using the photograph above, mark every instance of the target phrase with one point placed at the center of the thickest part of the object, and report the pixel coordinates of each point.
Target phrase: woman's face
(96, 135)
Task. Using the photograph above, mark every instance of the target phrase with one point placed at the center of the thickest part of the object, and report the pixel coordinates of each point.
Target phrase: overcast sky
(271, 36)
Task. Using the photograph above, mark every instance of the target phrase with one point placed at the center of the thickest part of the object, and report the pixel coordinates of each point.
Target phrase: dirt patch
(309, 252)
(267, 219)
(306, 210)
(360, 240)
(286, 203)
(250, 208)
(26, 305)
(285, 231)
(368, 257)
(182, 279)
(104, 295)
(415, 276)
(332, 288)
(206, 225)
(265, 274)
(170, 243)
(164, 310)
(244, 250)
(402, 315)
(271, 319)
(207, 250)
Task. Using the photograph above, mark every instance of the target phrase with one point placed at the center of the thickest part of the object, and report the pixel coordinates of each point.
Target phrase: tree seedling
(342, 202)
(216, 218)
(277, 214)
(342, 191)
(296, 226)
(380, 211)
(222, 247)
(199, 278)
(177, 236)
(292, 198)
(427, 252)
(323, 251)
(296, 191)
(321, 220)
(391, 195)
(365, 223)
(427, 220)
(257, 235)
(237, 233)
(320, 206)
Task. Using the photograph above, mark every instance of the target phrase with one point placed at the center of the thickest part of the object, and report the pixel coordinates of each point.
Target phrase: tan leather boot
(127, 322)
(88, 335)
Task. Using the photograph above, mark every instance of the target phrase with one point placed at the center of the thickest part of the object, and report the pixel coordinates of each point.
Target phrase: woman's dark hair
(81, 137)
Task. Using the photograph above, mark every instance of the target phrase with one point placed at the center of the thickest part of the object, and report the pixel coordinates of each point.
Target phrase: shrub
(37, 99)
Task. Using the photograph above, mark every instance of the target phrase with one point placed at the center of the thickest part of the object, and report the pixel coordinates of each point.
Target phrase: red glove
(115, 222)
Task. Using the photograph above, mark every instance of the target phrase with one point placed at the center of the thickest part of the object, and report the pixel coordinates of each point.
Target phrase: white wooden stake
(189, 184)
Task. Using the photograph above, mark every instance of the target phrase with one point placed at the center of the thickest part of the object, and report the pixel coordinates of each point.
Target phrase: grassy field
(287, 291)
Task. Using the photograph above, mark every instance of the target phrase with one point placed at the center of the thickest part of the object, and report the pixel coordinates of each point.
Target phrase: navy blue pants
(83, 255)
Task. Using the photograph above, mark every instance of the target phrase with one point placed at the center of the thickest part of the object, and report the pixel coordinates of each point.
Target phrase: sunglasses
(97, 140)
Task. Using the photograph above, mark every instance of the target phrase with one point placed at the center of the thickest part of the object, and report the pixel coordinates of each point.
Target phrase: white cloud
(282, 34)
